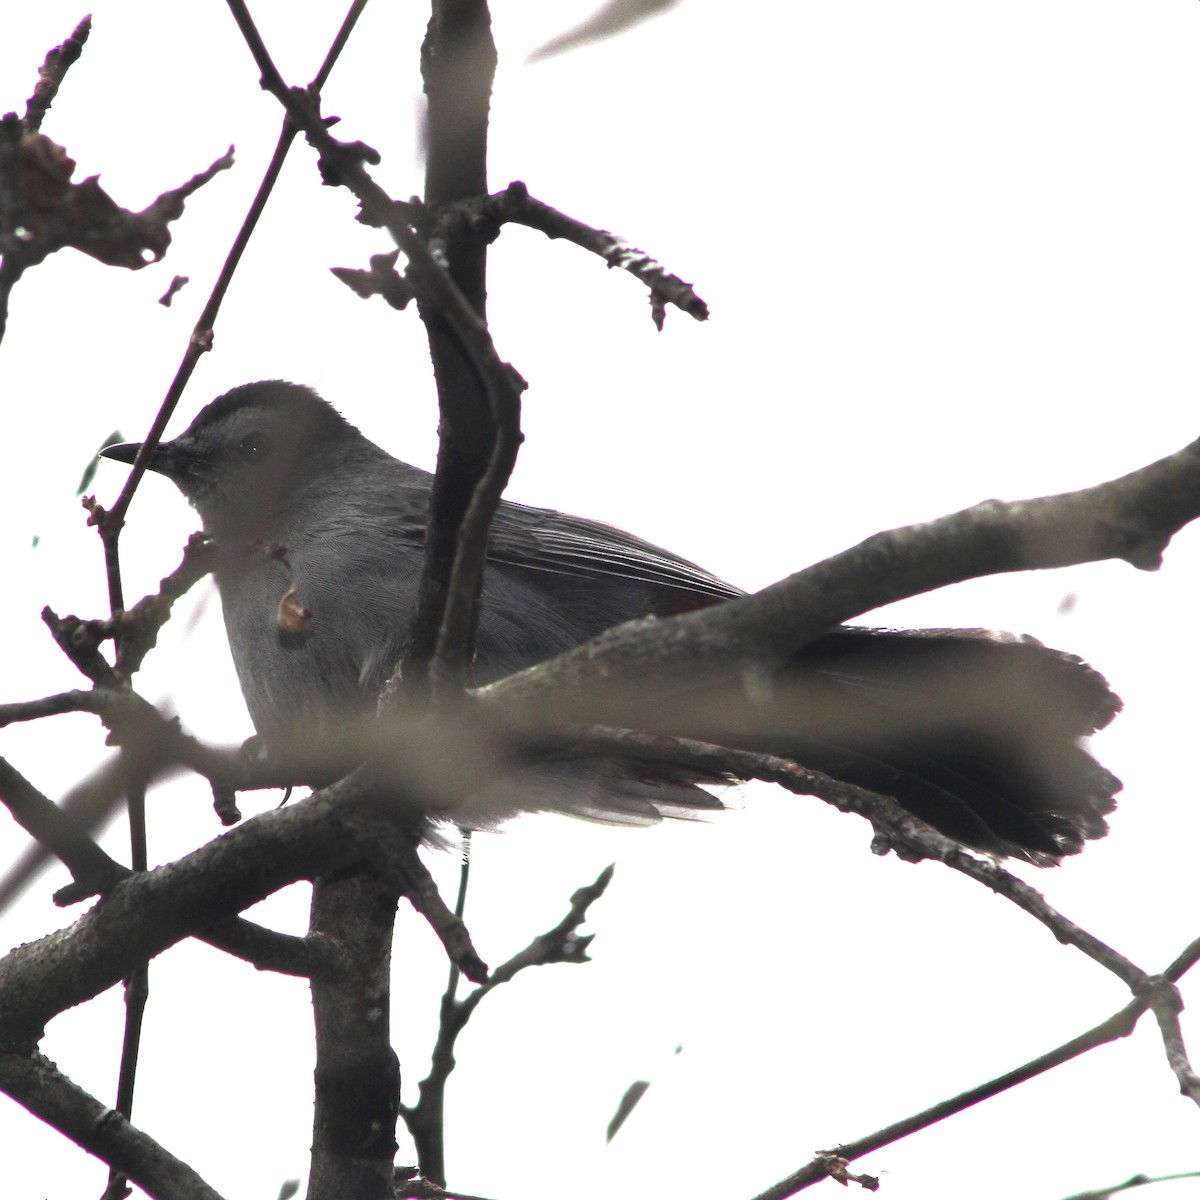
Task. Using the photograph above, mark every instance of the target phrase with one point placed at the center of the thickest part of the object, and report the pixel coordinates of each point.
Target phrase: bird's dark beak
(124, 452)
(168, 458)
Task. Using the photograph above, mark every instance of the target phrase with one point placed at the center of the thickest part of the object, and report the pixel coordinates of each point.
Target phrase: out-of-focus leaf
(633, 1093)
(89, 472)
(178, 282)
(607, 21)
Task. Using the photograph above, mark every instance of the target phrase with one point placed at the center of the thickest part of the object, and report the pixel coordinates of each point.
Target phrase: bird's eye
(255, 447)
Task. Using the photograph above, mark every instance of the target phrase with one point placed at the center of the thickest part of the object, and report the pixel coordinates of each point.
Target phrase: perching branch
(555, 698)
(651, 674)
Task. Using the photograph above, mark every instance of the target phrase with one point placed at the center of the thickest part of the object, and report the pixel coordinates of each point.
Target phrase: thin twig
(563, 943)
(421, 892)
(52, 74)
(137, 992)
(201, 338)
(460, 909)
(1120, 1024)
(517, 205)
(50, 706)
(481, 218)
(913, 840)
(1136, 1181)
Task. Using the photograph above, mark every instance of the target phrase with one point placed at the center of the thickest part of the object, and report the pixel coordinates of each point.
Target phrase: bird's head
(246, 457)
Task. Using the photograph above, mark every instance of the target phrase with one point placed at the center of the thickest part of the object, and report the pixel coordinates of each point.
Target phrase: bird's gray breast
(314, 633)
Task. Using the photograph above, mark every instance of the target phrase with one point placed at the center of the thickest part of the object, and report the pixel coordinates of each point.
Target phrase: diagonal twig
(1120, 1024)
(52, 74)
(562, 943)
(37, 1084)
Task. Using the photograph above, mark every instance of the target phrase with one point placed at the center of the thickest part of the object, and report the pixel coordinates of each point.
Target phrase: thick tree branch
(35, 1083)
(153, 745)
(144, 914)
(554, 698)
(357, 1074)
(651, 674)
(479, 414)
(94, 872)
(479, 401)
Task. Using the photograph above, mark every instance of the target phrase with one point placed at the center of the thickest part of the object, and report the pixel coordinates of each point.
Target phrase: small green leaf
(89, 472)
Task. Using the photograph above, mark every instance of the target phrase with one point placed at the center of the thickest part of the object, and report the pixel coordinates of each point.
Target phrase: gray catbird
(978, 733)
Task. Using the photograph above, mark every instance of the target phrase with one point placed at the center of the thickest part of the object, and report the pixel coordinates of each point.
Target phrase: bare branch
(52, 74)
(145, 913)
(410, 1184)
(50, 706)
(515, 204)
(311, 957)
(563, 943)
(1136, 1181)
(37, 1084)
(560, 944)
(357, 1075)
(653, 674)
(422, 894)
(389, 845)
(136, 630)
(201, 338)
(58, 833)
(479, 439)
(42, 211)
(1120, 1024)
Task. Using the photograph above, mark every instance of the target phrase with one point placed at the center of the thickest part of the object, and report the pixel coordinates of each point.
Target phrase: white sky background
(952, 253)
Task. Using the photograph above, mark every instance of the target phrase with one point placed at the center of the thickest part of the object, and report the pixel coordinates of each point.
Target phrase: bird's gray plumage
(993, 755)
